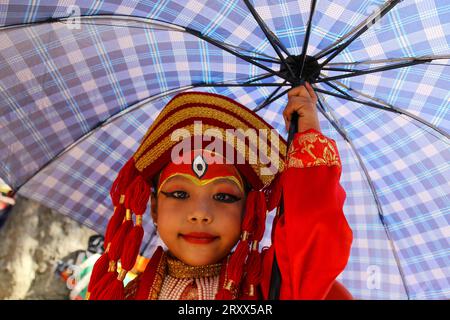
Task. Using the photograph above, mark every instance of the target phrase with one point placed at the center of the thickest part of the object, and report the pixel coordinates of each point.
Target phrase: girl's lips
(199, 237)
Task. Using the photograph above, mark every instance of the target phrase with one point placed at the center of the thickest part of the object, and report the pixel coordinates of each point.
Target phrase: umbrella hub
(311, 69)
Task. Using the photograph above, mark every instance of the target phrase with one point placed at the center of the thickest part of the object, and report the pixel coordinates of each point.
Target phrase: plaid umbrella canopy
(81, 81)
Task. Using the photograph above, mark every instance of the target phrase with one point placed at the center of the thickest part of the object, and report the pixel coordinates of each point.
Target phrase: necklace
(185, 282)
(166, 277)
(178, 269)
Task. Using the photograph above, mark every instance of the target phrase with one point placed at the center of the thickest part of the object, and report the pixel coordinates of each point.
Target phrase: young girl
(209, 206)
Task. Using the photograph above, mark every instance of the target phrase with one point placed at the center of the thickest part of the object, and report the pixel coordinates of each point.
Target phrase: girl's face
(199, 224)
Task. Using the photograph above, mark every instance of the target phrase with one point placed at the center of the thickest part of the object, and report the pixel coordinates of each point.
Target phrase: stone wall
(32, 240)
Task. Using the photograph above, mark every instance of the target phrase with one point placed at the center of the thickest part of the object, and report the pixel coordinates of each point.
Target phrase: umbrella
(80, 82)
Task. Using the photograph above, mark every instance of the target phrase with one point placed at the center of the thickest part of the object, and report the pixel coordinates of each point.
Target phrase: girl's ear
(153, 207)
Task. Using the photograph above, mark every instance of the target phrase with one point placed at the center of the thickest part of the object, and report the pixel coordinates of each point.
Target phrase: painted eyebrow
(177, 179)
(229, 183)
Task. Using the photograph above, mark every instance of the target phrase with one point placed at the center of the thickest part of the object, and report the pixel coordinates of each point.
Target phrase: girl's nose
(200, 216)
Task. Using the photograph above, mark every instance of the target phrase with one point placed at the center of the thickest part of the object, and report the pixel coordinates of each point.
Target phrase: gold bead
(128, 214)
(230, 285)
(112, 266)
(251, 291)
(122, 275)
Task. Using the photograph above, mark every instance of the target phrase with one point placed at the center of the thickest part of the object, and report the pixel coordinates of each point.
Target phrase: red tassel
(118, 241)
(137, 195)
(102, 285)
(98, 271)
(239, 256)
(131, 250)
(252, 268)
(253, 276)
(250, 203)
(115, 291)
(224, 294)
(237, 261)
(225, 288)
(114, 223)
(123, 180)
(260, 217)
(273, 193)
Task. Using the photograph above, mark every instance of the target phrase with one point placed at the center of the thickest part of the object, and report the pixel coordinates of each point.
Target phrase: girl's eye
(225, 197)
(176, 194)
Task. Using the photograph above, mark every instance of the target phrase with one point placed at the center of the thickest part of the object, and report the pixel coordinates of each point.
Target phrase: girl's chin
(196, 260)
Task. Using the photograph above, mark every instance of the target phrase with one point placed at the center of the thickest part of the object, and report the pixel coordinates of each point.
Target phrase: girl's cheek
(177, 208)
(232, 212)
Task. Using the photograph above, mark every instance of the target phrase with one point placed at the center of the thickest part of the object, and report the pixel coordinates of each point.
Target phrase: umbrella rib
(243, 57)
(119, 26)
(262, 59)
(333, 46)
(436, 57)
(339, 69)
(307, 35)
(386, 107)
(274, 41)
(254, 52)
(338, 127)
(395, 109)
(374, 70)
(337, 88)
(362, 28)
(270, 36)
(266, 58)
(118, 17)
(247, 80)
(268, 75)
(101, 125)
(271, 98)
(202, 84)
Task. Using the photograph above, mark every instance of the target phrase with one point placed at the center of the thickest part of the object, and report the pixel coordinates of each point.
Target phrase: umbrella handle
(275, 279)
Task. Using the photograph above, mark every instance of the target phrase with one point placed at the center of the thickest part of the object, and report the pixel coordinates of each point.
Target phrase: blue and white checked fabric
(71, 112)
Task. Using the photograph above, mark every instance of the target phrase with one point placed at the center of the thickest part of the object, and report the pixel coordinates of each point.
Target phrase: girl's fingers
(305, 90)
(311, 92)
(298, 97)
(287, 115)
(294, 92)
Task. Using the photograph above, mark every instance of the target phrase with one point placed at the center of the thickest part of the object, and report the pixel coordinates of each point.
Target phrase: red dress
(312, 239)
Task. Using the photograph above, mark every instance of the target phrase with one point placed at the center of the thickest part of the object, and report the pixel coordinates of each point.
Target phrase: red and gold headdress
(199, 130)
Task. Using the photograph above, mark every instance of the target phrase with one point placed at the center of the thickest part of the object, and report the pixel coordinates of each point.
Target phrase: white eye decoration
(199, 166)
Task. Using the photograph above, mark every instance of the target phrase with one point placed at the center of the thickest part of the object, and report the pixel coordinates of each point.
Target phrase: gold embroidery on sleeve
(312, 149)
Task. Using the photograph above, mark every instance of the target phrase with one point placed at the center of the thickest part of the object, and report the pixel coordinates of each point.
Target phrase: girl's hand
(302, 99)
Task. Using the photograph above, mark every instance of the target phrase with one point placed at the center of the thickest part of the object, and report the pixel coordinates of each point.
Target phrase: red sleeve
(312, 238)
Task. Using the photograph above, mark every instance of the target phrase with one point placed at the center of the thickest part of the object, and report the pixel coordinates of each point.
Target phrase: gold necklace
(178, 269)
